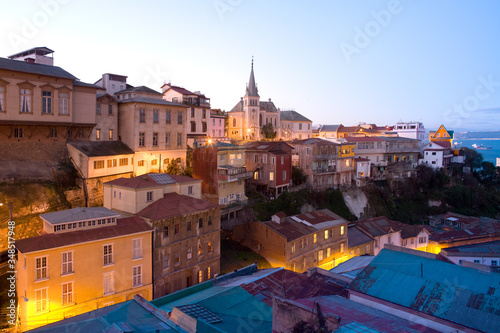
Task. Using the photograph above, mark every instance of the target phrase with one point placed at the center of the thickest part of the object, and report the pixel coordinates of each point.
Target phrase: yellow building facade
(66, 273)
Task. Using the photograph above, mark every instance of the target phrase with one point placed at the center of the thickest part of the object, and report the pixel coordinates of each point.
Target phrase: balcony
(331, 169)
(204, 102)
(326, 156)
(229, 173)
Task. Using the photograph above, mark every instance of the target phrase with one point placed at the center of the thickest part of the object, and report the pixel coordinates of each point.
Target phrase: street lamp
(10, 209)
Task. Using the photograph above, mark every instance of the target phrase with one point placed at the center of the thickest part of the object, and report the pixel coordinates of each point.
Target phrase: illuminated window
(99, 164)
(320, 255)
(315, 238)
(341, 229)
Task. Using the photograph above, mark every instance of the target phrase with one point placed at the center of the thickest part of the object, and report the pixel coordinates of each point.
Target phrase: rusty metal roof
(459, 294)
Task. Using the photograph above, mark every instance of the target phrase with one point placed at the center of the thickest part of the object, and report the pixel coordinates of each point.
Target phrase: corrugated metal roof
(114, 318)
(462, 295)
(356, 317)
(78, 214)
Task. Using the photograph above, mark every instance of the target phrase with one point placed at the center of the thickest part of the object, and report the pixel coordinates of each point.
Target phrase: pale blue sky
(332, 61)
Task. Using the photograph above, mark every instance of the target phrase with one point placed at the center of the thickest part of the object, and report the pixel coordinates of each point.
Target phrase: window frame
(108, 254)
(67, 265)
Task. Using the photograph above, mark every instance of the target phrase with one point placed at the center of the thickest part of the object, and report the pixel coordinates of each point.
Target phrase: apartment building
(271, 165)
(54, 281)
(153, 128)
(186, 241)
(198, 112)
(298, 242)
(318, 159)
(217, 125)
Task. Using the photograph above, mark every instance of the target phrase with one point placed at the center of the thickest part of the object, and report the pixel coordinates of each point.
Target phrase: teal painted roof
(127, 316)
(462, 295)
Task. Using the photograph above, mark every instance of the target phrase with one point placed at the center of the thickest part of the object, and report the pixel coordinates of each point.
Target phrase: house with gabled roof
(130, 195)
(442, 135)
(298, 242)
(382, 230)
(328, 131)
(294, 126)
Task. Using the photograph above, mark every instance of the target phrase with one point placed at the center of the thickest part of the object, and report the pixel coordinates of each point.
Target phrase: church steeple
(252, 88)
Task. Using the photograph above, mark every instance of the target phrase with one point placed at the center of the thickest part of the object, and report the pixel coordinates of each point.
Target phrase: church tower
(251, 108)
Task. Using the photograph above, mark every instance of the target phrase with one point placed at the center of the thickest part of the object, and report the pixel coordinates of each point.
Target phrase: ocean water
(489, 155)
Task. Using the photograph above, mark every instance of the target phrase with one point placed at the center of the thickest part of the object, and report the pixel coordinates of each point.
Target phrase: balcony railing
(331, 169)
(196, 101)
(326, 156)
(231, 174)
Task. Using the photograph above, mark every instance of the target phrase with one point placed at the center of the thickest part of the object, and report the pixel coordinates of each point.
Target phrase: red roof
(124, 226)
(291, 285)
(181, 90)
(444, 144)
(379, 226)
(173, 204)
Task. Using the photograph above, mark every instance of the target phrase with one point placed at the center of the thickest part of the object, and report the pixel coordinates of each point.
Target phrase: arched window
(260, 120)
(234, 122)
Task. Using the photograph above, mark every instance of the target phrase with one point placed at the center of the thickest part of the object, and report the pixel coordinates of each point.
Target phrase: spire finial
(252, 62)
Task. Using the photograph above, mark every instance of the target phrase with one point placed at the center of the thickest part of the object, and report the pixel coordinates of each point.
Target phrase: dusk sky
(332, 61)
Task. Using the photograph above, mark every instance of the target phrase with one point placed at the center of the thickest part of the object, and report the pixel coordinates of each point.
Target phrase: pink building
(216, 125)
